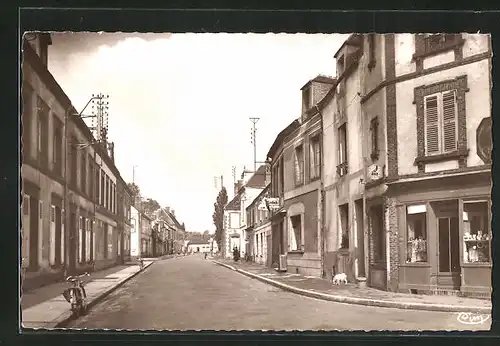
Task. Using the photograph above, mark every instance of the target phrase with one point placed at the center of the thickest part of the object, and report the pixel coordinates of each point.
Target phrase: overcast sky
(180, 104)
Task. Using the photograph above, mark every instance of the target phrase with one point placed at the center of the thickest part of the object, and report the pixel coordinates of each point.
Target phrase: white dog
(339, 278)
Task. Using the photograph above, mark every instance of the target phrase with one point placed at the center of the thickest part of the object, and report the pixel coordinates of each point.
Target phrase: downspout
(322, 208)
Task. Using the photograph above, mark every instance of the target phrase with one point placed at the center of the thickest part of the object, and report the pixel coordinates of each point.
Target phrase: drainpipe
(322, 208)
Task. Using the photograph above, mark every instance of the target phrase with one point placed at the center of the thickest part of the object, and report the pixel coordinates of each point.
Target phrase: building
(125, 217)
(259, 228)
(277, 192)
(231, 234)
(302, 183)
(199, 247)
(64, 168)
(413, 217)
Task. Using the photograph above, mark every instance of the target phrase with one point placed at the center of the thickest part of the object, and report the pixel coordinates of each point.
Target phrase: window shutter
(297, 166)
(53, 213)
(449, 121)
(431, 125)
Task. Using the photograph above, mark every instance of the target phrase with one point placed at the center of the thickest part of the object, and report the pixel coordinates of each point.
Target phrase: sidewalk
(47, 308)
(351, 294)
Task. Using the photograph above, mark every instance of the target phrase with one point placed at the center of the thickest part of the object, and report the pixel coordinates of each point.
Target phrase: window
(299, 165)
(296, 235)
(281, 177)
(40, 210)
(91, 176)
(439, 42)
(342, 137)
(344, 226)
(440, 123)
(96, 183)
(74, 167)
(103, 189)
(26, 205)
(83, 172)
(374, 139)
(43, 133)
(477, 232)
(416, 226)
(27, 119)
(81, 237)
(315, 157)
(57, 146)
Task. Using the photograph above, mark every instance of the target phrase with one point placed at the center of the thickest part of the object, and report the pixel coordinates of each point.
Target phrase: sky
(179, 104)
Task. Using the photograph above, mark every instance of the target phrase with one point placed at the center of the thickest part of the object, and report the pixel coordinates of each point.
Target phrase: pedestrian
(205, 255)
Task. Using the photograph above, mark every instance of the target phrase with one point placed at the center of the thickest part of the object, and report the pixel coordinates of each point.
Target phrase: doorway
(360, 237)
(448, 247)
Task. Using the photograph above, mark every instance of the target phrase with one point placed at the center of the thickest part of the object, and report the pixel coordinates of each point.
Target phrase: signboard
(262, 205)
(374, 172)
(272, 203)
(484, 140)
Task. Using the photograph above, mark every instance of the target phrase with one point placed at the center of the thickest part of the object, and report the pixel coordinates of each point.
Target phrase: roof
(258, 179)
(262, 193)
(172, 216)
(320, 79)
(352, 40)
(235, 203)
(282, 135)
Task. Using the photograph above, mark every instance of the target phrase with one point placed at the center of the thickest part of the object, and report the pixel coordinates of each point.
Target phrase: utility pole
(253, 140)
(133, 174)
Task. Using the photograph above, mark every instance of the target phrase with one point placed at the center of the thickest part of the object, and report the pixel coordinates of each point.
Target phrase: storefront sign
(483, 140)
(262, 206)
(374, 172)
(272, 203)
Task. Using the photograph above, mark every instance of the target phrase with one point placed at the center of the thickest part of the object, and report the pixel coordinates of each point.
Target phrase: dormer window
(431, 44)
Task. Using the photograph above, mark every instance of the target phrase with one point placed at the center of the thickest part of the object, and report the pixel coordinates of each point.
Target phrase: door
(448, 252)
(360, 238)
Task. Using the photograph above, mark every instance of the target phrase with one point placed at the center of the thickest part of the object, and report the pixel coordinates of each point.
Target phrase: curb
(67, 316)
(363, 301)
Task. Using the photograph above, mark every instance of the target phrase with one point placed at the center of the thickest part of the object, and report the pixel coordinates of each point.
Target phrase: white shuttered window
(440, 123)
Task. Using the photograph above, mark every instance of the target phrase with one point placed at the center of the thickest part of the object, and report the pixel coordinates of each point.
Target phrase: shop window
(296, 235)
(344, 226)
(477, 234)
(416, 234)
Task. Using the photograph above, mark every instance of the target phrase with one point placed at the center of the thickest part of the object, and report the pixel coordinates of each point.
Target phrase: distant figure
(205, 255)
(236, 254)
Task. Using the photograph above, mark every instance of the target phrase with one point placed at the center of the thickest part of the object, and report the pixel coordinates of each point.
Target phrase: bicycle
(76, 295)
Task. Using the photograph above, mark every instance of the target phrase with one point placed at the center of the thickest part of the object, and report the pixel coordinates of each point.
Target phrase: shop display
(417, 250)
(476, 236)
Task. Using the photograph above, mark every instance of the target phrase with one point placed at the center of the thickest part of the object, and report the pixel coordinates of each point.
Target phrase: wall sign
(374, 172)
(483, 140)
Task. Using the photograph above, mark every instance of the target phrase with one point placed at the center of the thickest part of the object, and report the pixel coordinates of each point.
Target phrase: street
(190, 293)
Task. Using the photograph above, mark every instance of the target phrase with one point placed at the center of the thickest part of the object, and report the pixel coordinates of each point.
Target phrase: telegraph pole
(253, 140)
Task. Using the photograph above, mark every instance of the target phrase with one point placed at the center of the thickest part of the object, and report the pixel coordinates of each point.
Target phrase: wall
(477, 107)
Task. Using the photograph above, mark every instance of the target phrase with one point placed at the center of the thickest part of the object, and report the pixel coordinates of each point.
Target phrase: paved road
(189, 293)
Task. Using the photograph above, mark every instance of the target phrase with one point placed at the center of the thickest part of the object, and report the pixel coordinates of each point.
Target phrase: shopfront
(445, 245)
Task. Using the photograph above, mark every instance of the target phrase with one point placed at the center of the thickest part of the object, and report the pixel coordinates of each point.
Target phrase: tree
(135, 190)
(218, 215)
(150, 205)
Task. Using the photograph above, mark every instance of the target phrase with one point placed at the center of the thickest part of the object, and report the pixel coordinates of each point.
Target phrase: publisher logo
(472, 318)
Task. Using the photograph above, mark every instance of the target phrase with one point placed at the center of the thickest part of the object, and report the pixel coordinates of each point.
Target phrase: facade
(199, 247)
(252, 184)
(231, 235)
(414, 217)
(259, 228)
(302, 184)
(69, 180)
(277, 190)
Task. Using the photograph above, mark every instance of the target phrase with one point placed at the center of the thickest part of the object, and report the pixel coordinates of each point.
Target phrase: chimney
(239, 185)
(268, 174)
(320, 87)
(112, 151)
(167, 209)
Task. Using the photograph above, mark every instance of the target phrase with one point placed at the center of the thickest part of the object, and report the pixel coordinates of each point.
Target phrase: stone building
(413, 196)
